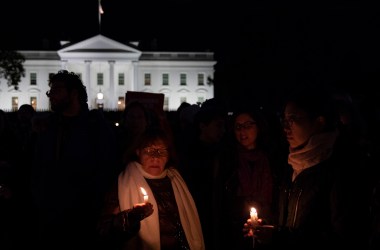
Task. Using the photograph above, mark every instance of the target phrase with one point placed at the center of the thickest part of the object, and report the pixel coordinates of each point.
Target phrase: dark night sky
(262, 47)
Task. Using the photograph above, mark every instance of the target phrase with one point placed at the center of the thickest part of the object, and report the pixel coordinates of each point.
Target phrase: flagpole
(100, 12)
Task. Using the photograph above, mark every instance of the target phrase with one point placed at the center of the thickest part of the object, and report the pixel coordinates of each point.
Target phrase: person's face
(214, 131)
(246, 131)
(59, 97)
(298, 127)
(154, 157)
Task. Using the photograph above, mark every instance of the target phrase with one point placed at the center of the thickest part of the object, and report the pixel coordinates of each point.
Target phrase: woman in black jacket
(321, 203)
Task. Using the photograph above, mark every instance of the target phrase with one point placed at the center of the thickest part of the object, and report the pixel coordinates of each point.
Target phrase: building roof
(99, 47)
(102, 48)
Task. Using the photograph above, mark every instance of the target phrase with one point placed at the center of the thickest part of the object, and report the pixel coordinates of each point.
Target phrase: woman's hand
(142, 210)
(263, 233)
(248, 227)
(130, 218)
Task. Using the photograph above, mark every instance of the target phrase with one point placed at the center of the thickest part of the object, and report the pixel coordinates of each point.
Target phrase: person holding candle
(167, 218)
(319, 206)
(249, 170)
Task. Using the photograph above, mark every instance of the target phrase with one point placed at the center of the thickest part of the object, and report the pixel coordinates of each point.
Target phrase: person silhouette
(167, 218)
(74, 160)
(317, 198)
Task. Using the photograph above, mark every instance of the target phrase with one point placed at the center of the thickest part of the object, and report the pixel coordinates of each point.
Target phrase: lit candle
(254, 222)
(145, 194)
(254, 217)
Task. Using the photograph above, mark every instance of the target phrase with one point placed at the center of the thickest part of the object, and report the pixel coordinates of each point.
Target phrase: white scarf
(318, 149)
(129, 183)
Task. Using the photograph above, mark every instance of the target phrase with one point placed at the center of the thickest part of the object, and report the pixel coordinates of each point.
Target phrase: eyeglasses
(245, 125)
(156, 152)
(288, 121)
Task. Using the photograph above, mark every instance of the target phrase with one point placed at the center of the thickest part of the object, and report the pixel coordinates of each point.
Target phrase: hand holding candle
(145, 194)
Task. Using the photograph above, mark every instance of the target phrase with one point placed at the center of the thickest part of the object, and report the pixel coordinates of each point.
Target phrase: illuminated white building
(111, 68)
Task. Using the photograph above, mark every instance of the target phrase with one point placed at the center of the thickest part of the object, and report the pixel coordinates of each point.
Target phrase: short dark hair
(315, 101)
(152, 135)
(72, 81)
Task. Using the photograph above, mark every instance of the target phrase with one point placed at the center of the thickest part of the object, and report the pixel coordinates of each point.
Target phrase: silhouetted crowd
(70, 178)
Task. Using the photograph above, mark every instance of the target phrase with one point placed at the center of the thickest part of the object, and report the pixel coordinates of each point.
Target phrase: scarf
(129, 183)
(252, 163)
(318, 148)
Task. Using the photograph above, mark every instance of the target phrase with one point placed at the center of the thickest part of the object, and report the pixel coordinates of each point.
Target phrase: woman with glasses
(249, 181)
(151, 206)
(320, 200)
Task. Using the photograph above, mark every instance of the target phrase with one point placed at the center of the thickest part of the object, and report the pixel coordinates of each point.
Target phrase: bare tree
(11, 67)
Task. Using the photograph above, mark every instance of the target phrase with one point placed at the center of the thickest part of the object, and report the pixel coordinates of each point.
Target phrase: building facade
(109, 70)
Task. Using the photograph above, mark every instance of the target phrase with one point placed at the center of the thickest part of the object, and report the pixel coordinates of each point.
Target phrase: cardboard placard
(154, 101)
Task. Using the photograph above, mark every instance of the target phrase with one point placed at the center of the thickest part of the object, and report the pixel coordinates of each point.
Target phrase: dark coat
(73, 164)
(324, 206)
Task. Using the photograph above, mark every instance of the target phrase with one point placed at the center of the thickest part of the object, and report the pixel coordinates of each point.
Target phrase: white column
(135, 76)
(112, 100)
(87, 83)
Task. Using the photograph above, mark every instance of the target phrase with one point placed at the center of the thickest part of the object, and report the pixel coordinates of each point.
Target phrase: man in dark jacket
(73, 163)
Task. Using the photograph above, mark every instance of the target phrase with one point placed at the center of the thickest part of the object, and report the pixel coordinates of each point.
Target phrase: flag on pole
(100, 8)
(100, 14)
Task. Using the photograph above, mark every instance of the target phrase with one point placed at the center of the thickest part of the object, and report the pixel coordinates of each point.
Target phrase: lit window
(14, 103)
(166, 103)
(33, 102)
(121, 103)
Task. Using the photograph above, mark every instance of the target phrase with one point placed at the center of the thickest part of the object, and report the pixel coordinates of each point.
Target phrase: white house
(110, 68)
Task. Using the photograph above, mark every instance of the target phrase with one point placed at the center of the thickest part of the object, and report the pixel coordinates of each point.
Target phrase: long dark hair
(263, 139)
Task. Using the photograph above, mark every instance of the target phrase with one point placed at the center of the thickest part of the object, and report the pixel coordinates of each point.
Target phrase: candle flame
(253, 215)
(143, 191)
